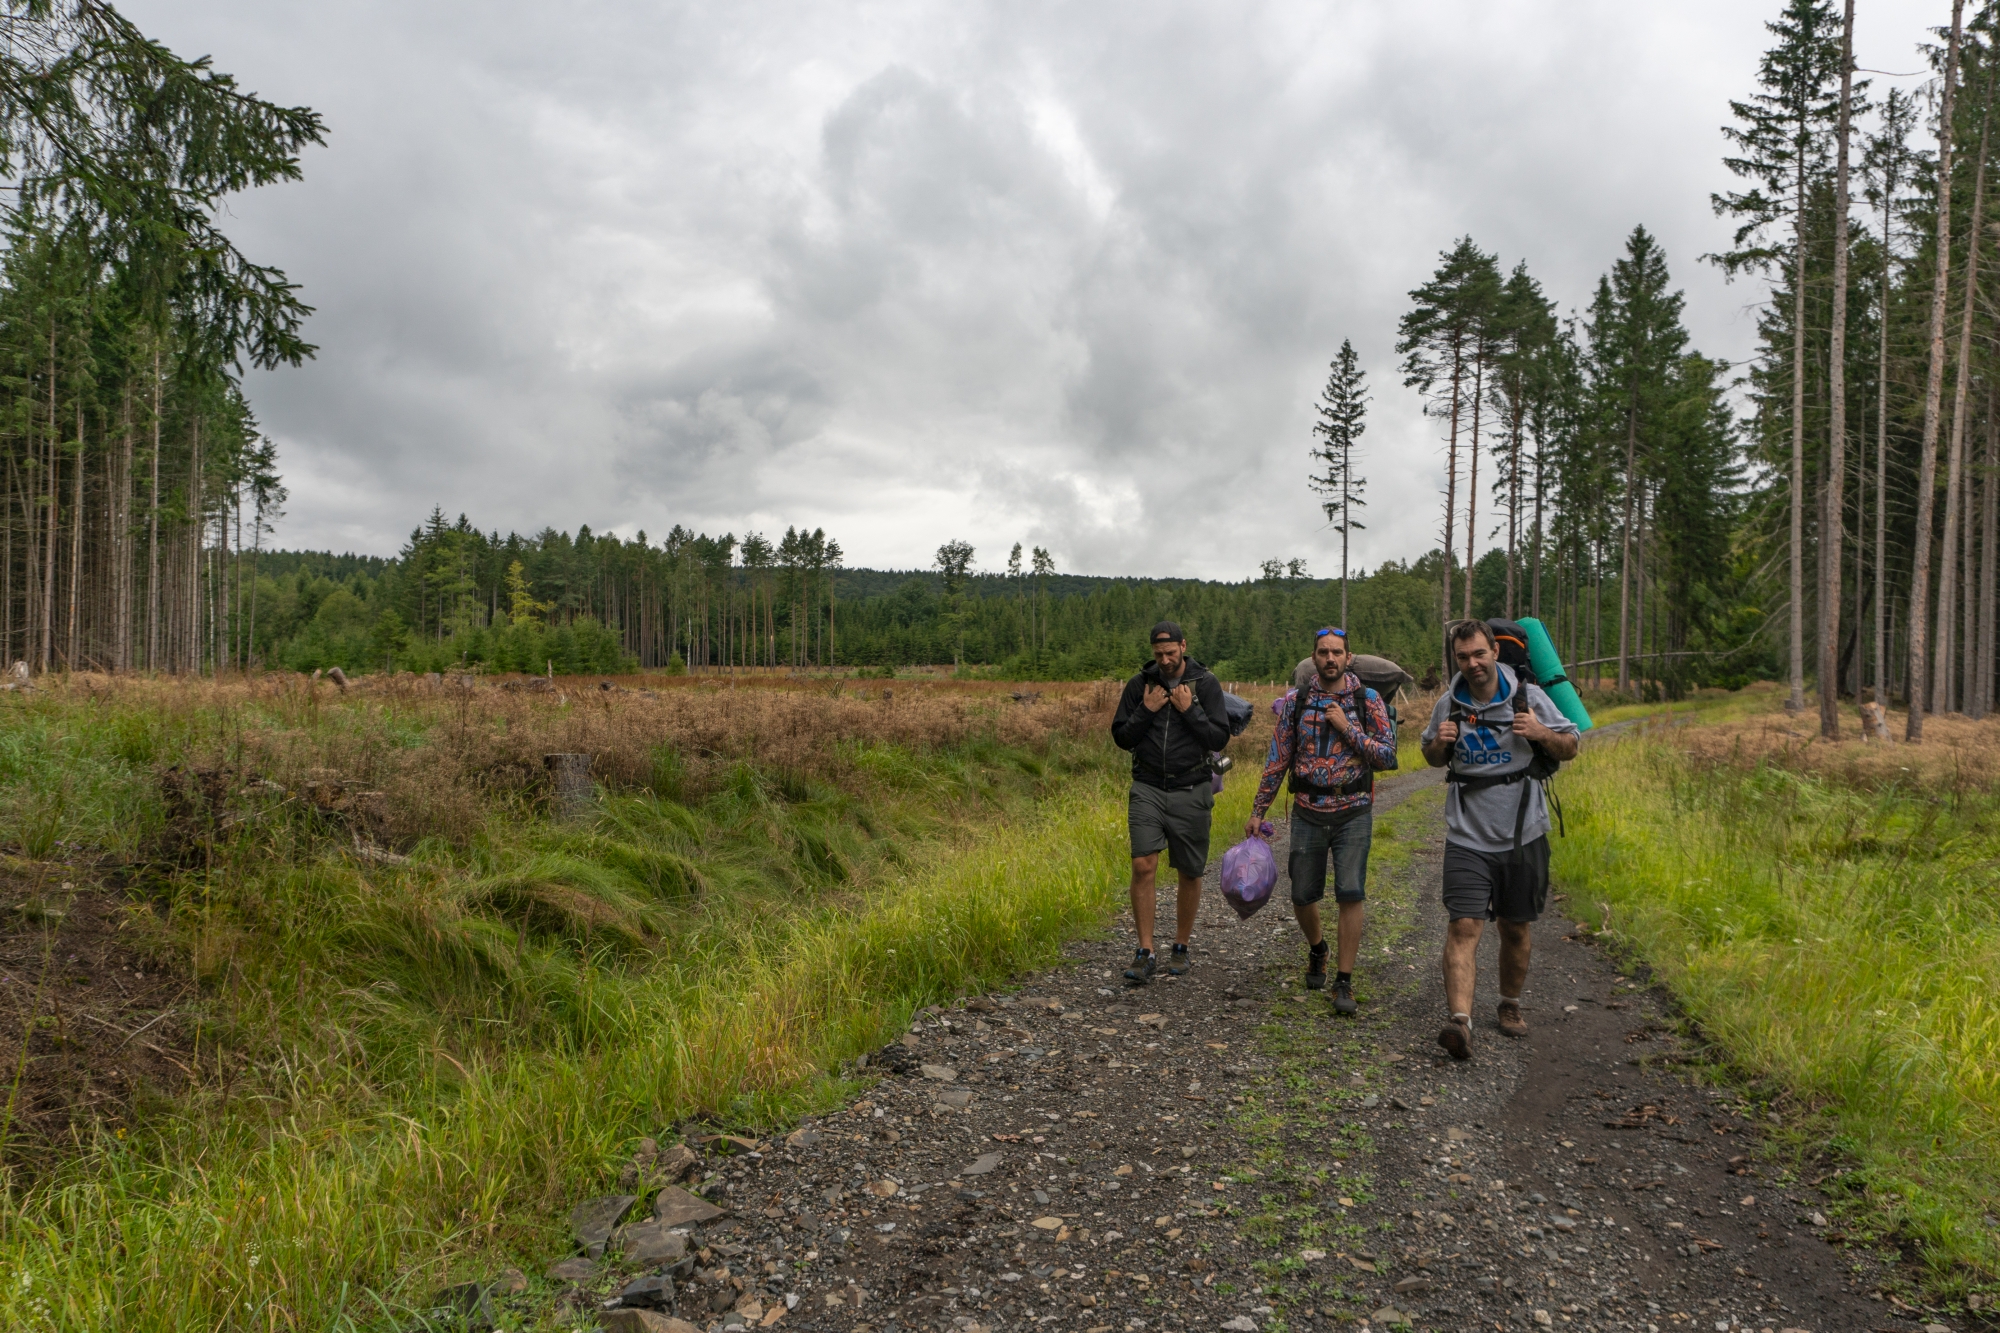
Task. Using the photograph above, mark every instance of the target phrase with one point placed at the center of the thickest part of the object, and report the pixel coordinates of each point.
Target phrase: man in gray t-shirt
(1486, 729)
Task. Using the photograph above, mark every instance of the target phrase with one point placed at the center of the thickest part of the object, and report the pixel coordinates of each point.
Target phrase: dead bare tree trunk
(153, 530)
(1920, 563)
(1836, 466)
(1472, 471)
(1795, 701)
(1625, 544)
(1989, 521)
(1954, 476)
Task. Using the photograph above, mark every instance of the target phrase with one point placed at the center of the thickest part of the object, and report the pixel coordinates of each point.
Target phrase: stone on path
(1408, 1285)
(1389, 1314)
(649, 1291)
(676, 1207)
(984, 1164)
(674, 1163)
(1242, 1323)
(572, 1270)
(470, 1302)
(643, 1321)
(649, 1243)
(591, 1221)
(941, 1073)
(956, 1098)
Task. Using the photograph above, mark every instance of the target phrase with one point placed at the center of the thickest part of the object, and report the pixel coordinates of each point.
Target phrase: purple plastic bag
(1249, 873)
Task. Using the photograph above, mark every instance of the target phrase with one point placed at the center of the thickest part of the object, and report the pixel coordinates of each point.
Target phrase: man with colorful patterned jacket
(1331, 741)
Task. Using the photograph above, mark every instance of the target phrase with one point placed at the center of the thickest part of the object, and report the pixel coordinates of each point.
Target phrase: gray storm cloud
(1067, 275)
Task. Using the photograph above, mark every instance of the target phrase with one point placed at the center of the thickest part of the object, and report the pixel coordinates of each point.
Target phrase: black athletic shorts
(1510, 886)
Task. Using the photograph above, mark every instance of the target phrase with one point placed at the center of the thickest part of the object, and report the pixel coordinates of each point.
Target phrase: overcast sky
(1062, 274)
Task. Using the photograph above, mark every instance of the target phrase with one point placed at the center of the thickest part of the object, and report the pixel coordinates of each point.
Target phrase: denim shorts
(1343, 838)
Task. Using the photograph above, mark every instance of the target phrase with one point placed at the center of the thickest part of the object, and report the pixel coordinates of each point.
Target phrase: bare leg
(1186, 905)
(1515, 947)
(1461, 962)
(1144, 870)
(1350, 934)
(1308, 919)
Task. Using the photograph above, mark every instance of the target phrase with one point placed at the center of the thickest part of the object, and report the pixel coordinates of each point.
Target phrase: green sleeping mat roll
(1548, 667)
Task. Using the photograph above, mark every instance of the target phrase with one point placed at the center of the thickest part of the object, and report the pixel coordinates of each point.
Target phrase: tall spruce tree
(1343, 417)
(1526, 329)
(1636, 342)
(1443, 341)
(1781, 137)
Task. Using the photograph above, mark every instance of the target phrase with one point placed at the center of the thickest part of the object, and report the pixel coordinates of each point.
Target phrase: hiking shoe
(1316, 967)
(1511, 1021)
(1144, 964)
(1456, 1037)
(1343, 997)
(1178, 961)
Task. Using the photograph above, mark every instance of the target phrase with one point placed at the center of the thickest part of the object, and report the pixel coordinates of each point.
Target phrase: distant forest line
(579, 603)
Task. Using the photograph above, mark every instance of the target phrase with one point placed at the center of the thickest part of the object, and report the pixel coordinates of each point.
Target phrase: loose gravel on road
(1220, 1151)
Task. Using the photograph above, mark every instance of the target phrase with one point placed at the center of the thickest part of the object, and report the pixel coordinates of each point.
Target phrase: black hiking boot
(1144, 964)
(1316, 966)
(1178, 961)
(1343, 996)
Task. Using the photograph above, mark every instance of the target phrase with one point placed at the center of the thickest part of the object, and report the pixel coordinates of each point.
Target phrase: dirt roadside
(1221, 1152)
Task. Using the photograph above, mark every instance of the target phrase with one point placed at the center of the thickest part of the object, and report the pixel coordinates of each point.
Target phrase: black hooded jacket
(1170, 748)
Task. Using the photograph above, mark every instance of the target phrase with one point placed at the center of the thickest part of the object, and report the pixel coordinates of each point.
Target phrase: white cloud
(1063, 274)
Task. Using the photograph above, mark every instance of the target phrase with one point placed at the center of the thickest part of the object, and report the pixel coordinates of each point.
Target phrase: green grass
(412, 1070)
(1837, 942)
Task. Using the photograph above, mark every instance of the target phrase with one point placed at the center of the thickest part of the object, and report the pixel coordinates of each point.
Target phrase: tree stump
(570, 776)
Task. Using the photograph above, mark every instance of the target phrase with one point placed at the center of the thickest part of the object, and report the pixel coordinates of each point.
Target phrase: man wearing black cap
(1170, 717)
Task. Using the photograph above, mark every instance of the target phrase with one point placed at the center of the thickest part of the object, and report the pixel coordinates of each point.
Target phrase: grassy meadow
(432, 1013)
(1830, 915)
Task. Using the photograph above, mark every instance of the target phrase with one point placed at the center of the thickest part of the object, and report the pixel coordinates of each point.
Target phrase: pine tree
(1526, 326)
(1444, 340)
(1636, 342)
(1343, 413)
(1781, 136)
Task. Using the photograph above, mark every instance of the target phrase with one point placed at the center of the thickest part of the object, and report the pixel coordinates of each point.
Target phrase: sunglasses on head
(1319, 634)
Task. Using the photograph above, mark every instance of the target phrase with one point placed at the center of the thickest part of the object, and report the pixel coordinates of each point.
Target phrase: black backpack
(1512, 642)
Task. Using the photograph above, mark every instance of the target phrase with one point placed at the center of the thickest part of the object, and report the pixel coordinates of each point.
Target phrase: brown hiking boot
(1457, 1038)
(1511, 1022)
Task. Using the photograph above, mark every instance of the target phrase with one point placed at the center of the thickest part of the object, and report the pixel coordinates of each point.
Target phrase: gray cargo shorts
(1176, 821)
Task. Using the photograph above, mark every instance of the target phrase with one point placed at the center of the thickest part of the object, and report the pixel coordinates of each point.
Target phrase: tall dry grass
(433, 1013)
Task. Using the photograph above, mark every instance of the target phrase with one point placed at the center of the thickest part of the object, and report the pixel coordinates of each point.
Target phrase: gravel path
(1222, 1152)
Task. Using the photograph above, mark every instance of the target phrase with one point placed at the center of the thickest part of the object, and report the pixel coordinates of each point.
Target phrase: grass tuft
(1835, 930)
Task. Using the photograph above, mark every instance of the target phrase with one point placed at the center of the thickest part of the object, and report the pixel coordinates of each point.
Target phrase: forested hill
(587, 603)
(319, 609)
